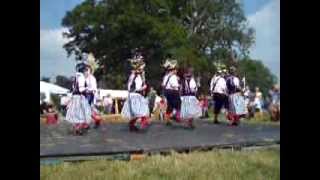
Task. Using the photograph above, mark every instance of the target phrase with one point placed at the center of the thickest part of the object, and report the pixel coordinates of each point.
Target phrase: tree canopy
(64, 81)
(195, 32)
(257, 75)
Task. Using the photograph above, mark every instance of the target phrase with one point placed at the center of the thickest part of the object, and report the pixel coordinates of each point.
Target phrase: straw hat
(220, 67)
(166, 64)
(172, 64)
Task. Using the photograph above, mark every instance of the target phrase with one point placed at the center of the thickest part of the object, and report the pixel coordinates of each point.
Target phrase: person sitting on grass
(51, 115)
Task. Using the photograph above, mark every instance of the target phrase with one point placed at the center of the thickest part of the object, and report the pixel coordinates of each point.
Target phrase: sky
(262, 15)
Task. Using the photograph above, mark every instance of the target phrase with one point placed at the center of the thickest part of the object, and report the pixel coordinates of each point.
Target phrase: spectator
(258, 102)
(51, 115)
(107, 104)
(151, 96)
(247, 94)
(205, 107)
(162, 107)
(274, 107)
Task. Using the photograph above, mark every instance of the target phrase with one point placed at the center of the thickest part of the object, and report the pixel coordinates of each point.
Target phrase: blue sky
(263, 15)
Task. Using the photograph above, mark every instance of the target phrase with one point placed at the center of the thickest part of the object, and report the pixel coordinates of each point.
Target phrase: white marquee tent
(121, 94)
(48, 89)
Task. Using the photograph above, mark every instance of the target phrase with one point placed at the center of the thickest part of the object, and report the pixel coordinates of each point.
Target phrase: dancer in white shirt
(190, 106)
(78, 110)
(236, 105)
(136, 107)
(91, 82)
(218, 89)
(171, 90)
(91, 94)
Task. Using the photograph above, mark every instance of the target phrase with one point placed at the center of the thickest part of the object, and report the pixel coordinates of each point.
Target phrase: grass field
(215, 165)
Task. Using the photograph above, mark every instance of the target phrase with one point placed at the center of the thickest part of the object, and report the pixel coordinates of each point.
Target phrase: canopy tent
(115, 94)
(48, 89)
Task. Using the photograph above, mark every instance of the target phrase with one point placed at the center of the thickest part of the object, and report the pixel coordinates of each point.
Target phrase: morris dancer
(90, 93)
(190, 106)
(79, 110)
(236, 107)
(171, 89)
(136, 107)
(218, 89)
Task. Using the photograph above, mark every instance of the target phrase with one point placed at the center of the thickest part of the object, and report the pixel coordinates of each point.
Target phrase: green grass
(216, 165)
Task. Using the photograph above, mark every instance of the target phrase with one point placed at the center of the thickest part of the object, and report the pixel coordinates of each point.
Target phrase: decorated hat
(170, 64)
(137, 62)
(220, 67)
(232, 69)
(166, 64)
(91, 62)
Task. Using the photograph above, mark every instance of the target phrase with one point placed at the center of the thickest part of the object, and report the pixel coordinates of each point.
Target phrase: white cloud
(266, 22)
(53, 58)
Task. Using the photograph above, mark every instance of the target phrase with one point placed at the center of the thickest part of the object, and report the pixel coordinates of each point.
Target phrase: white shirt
(164, 80)
(91, 83)
(236, 82)
(221, 85)
(138, 82)
(81, 81)
(246, 93)
(192, 85)
(107, 101)
(173, 82)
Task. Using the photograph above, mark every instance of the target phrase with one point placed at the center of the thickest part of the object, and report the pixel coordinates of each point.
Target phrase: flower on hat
(91, 62)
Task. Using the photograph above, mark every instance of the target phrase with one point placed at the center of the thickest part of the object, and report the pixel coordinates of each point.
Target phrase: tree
(45, 79)
(197, 33)
(256, 74)
(64, 81)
